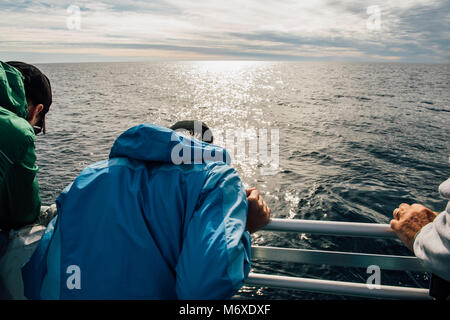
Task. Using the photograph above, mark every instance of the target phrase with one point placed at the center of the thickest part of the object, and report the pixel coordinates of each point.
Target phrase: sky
(322, 30)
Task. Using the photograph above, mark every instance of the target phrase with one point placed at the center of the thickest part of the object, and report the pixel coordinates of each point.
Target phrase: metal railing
(346, 259)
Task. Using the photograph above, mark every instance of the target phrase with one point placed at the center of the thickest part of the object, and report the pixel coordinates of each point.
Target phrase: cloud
(415, 30)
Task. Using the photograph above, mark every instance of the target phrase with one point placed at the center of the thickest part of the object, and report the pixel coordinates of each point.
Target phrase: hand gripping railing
(347, 259)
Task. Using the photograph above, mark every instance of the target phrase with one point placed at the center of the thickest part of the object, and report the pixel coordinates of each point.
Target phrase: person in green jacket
(25, 98)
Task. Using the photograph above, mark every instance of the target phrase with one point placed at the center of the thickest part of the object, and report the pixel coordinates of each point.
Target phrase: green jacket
(19, 191)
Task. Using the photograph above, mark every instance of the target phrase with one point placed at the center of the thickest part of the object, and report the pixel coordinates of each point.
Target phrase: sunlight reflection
(227, 96)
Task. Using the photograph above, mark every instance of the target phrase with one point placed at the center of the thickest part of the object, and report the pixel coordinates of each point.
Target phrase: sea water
(354, 140)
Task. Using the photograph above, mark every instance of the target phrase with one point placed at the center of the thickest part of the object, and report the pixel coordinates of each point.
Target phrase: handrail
(348, 259)
(337, 287)
(336, 258)
(353, 229)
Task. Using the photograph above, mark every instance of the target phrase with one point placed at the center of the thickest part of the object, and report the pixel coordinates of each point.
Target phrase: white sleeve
(432, 245)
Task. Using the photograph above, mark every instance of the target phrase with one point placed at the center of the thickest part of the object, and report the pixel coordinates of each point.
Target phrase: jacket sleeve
(23, 190)
(215, 256)
(432, 245)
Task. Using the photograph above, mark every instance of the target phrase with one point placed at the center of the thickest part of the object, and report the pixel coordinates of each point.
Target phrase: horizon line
(241, 60)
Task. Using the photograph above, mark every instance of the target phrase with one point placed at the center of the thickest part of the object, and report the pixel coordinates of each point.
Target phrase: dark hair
(190, 126)
(37, 87)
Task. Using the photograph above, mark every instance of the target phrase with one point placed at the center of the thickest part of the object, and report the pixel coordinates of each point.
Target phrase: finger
(261, 202)
(403, 206)
(394, 224)
(402, 209)
(396, 214)
(254, 194)
(248, 191)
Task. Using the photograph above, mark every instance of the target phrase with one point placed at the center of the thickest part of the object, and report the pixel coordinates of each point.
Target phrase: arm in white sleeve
(432, 243)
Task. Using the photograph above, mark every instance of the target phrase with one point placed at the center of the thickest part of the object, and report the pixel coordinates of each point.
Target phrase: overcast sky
(72, 31)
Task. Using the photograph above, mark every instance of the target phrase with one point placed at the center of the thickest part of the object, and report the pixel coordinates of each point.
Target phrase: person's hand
(409, 220)
(258, 212)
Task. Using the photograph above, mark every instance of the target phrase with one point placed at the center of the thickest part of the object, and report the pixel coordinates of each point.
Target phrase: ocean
(354, 139)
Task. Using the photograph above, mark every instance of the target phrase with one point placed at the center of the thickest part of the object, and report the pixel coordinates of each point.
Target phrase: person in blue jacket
(165, 217)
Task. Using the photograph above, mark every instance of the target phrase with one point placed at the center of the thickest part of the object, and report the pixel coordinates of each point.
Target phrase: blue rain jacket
(163, 218)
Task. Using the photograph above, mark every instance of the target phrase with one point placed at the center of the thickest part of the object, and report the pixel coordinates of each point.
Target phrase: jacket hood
(149, 142)
(12, 90)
